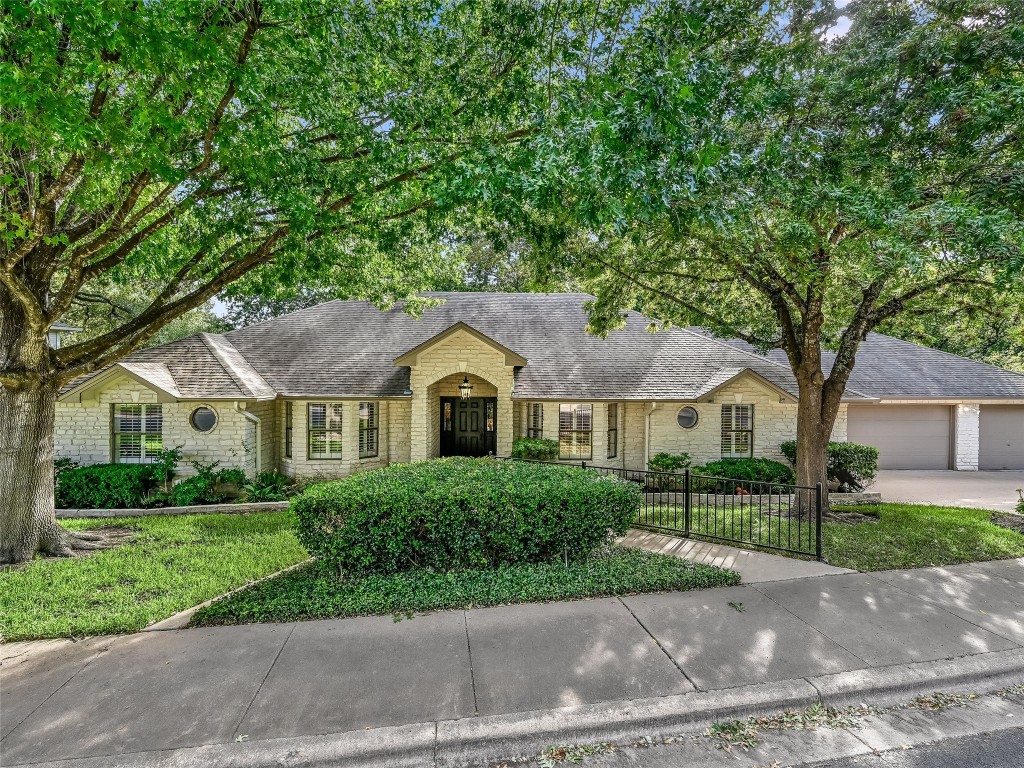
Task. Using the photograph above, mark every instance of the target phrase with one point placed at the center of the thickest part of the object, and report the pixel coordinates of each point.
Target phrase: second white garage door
(906, 436)
(1002, 437)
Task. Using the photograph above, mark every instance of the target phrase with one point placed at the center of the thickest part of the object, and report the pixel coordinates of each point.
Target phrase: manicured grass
(314, 592)
(171, 563)
(918, 535)
(905, 536)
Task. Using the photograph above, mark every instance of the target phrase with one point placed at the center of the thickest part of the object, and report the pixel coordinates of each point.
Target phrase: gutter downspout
(652, 407)
(254, 419)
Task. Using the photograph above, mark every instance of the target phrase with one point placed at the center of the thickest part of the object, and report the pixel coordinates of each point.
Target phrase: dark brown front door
(469, 427)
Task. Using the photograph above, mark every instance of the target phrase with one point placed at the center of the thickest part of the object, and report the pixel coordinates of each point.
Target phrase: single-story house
(344, 386)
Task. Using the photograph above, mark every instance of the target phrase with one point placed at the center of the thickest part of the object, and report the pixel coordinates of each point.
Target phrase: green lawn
(171, 563)
(904, 536)
(313, 592)
(919, 535)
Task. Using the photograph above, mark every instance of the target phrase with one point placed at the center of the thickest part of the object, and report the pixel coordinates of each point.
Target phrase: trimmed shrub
(106, 486)
(668, 462)
(747, 470)
(459, 513)
(852, 465)
(535, 449)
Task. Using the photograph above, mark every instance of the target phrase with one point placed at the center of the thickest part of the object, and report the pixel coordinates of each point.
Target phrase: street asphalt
(172, 690)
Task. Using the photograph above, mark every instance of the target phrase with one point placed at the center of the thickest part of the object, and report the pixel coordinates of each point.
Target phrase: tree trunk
(28, 522)
(813, 430)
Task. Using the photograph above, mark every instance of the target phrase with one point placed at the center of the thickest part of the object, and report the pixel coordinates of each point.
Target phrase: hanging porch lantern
(465, 388)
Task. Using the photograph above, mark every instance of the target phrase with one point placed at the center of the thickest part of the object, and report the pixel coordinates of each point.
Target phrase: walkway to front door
(469, 427)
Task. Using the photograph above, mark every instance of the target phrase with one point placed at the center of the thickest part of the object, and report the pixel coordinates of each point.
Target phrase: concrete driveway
(981, 490)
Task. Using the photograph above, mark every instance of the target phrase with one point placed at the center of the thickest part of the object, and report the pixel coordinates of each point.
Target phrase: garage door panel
(906, 436)
(1002, 437)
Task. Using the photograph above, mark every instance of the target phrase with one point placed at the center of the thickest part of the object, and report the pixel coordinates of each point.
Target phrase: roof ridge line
(228, 366)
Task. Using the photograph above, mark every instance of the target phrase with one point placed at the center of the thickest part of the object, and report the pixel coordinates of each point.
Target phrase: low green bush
(668, 462)
(106, 486)
(852, 465)
(457, 513)
(268, 486)
(748, 470)
(535, 449)
(207, 486)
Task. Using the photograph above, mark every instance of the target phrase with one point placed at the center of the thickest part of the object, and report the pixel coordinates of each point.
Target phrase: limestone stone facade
(252, 434)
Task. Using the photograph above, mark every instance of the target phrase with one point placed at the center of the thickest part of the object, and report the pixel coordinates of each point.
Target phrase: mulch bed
(1010, 520)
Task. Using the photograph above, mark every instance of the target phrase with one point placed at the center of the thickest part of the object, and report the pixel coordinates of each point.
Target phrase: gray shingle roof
(887, 367)
(348, 349)
(199, 367)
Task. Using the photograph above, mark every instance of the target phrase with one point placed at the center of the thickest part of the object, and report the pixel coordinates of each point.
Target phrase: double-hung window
(613, 430)
(324, 430)
(535, 420)
(737, 431)
(368, 430)
(138, 432)
(575, 422)
(288, 423)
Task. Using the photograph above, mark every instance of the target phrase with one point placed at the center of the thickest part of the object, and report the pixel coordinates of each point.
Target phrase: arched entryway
(465, 426)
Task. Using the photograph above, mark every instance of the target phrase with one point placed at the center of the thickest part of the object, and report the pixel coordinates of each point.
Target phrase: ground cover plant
(890, 536)
(168, 564)
(315, 591)
(457, 513)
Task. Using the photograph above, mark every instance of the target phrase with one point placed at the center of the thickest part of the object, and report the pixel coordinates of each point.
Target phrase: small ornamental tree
(184, 146)
(797, 188)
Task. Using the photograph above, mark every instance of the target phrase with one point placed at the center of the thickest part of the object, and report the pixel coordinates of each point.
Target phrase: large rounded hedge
(462, 513)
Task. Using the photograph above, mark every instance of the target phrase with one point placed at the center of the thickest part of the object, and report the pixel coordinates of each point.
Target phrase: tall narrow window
(288, 423)
(138, 432)
(489, 418)
(737, 431)
(324, 429)
(447, 416)
(368, 430)
(574, 428)
(535, 420)
(613, 430)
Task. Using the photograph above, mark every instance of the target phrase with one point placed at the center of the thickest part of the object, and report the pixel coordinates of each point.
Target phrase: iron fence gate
(772, 516)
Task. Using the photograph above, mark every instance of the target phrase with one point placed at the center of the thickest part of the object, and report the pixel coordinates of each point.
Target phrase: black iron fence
(772, 516)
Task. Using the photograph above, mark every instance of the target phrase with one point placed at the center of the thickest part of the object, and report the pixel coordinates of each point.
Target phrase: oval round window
(687, 417)
(203, 419)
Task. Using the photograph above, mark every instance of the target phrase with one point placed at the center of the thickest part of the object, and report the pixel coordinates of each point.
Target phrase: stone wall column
(420, 424)
(967, 429)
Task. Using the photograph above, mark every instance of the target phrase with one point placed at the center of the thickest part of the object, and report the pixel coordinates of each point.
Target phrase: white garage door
(906, 436)
(1002, 437)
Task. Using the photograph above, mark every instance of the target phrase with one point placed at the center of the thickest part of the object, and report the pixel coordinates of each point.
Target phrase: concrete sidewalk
(158, 691)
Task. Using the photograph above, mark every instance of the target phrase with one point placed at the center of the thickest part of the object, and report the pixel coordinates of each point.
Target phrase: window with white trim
(324, 430)
(575, 423)
(368, 430)
(138, 432)
(613, 430)
(737, 431)
(535, 420)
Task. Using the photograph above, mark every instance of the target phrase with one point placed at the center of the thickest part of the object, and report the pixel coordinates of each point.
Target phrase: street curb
(480, 740)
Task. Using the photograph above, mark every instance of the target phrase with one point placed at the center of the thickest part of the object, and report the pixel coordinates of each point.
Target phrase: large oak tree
(181, 147)
(797, 188)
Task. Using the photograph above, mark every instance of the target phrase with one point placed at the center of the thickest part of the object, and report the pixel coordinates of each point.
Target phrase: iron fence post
(686, 502)
(817, 522)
